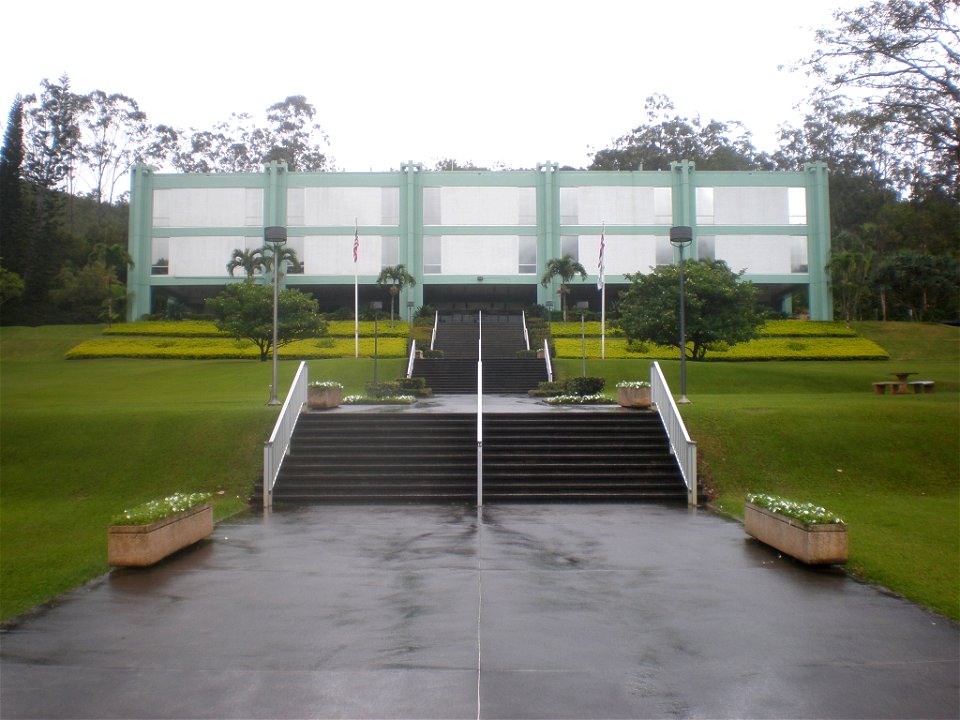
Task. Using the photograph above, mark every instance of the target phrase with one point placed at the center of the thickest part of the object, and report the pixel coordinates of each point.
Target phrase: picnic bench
(903, 388)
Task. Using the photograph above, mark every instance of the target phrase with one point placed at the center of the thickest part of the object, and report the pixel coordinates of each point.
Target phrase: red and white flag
(600, 264)
(356, 244)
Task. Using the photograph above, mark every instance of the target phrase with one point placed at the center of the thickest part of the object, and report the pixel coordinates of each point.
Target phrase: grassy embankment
(84, 439)
(815, 431)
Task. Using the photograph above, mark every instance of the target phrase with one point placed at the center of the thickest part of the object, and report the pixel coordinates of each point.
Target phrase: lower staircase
(417, 457)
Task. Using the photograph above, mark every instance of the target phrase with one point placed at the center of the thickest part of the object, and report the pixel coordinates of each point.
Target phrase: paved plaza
(536, 611)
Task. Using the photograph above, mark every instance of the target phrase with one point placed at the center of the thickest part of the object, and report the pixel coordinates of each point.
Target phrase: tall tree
(115, 135)
(11, 197)
(250, 261)
(565, 268)
(667, 137)
(54, 134)
(900, 62)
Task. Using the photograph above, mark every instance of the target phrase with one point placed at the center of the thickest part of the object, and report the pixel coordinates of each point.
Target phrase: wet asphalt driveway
(541, 611)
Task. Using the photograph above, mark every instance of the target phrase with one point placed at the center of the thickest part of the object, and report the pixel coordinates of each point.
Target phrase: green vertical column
(140, 243)
(818, 241)
(275, 199)
(684, 195)
(548, 225)
(411, 231)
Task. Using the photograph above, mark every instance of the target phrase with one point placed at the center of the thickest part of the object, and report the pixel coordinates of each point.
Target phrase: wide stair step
(410, 456)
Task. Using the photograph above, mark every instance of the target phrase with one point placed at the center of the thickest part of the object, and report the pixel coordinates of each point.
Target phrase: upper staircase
(503, 371)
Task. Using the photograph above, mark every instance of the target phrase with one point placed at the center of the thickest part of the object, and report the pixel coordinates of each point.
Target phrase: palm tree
(398, 278)
(288, 257)
(251, 261)
(564, 268)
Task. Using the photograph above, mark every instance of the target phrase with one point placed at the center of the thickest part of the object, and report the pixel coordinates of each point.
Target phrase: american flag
(356, 244)
(600, 266)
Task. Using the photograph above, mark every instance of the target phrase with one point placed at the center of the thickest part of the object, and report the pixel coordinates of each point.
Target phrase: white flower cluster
(804, 512)
(633, 384)
(154, 510)
(577, 399)
(327, 384)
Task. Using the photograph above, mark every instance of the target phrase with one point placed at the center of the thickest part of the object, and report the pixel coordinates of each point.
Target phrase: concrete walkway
(541, 611)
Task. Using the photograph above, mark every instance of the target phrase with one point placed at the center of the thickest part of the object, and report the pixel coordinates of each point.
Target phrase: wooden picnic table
(901, 387)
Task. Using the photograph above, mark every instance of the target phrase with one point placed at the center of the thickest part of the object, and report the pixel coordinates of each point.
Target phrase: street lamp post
(376, 306)
(680, 237)
(276, 236)
(582, 306)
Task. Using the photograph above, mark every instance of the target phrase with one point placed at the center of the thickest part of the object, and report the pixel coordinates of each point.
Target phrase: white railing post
(526, 335)
(278, 445)
(479, 409)
(682, 446)
(413, 354)
(433, 335)
(546, 357)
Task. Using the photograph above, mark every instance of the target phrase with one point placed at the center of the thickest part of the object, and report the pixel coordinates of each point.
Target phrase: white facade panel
(624, 205)
(479, 254)
(622, 254)
(484, 206)
(757, 254)
(327, 206)
(202, 256)
(751, 206)
(208, 207)
(333, 255)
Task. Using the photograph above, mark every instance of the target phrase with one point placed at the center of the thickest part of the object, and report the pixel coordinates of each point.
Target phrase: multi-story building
(477, 238)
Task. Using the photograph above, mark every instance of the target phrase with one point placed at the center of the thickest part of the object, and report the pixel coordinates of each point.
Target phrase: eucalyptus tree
(893, 67)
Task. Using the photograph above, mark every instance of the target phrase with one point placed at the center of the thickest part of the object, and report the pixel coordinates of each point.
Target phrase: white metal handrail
(413, 355)
(526, 335)
(479, 409)
(546, 357)
(433, 335)
(682, 446)
(276, 448)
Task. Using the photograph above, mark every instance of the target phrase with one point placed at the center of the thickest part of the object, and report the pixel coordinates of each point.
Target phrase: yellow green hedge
(813, 348)
(197, 348)
(345, 328)
(773, 328)
(172, 328)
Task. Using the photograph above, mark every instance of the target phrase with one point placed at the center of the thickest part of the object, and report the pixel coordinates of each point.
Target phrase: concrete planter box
(634, 397)
(323, 398)
(812, 544)
(142, 545)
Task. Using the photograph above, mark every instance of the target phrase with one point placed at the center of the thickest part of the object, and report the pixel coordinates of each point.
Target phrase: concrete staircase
(409, 456)
(503, 372)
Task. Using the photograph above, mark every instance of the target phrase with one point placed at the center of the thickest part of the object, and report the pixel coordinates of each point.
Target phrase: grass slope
(81, 440)
(815, 431)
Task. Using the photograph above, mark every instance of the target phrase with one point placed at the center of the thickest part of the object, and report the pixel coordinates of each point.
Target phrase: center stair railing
(479, 409)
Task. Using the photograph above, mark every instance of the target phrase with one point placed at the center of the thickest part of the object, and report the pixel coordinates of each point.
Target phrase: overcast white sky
(487, 81)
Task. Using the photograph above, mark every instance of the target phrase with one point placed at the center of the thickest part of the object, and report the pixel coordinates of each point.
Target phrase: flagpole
(603, 297)
(356, 294)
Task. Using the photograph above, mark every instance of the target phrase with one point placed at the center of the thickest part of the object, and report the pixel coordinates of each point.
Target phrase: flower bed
(199, 348)
(804, 531)
(150, 532)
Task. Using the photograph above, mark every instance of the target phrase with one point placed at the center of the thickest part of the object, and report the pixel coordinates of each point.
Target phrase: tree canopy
(719, 308)
(245, 311)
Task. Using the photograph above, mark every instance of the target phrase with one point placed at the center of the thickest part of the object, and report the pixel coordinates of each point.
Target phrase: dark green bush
(584, 385)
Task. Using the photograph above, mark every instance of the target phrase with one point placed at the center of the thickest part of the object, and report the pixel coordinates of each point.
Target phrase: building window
(432, 264)
(664, 251)
(389, 251)
(570, 245)
(527, 255)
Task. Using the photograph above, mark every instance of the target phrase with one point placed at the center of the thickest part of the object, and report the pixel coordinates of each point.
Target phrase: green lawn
(815, 431)
(83, 439)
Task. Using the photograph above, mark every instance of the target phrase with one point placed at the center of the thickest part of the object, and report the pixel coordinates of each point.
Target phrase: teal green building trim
(546, 221)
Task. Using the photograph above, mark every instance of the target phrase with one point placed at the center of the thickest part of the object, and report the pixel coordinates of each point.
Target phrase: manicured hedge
(814, 348)
(188, 348)
(772, 328)
(172, 328)
(345, 328)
